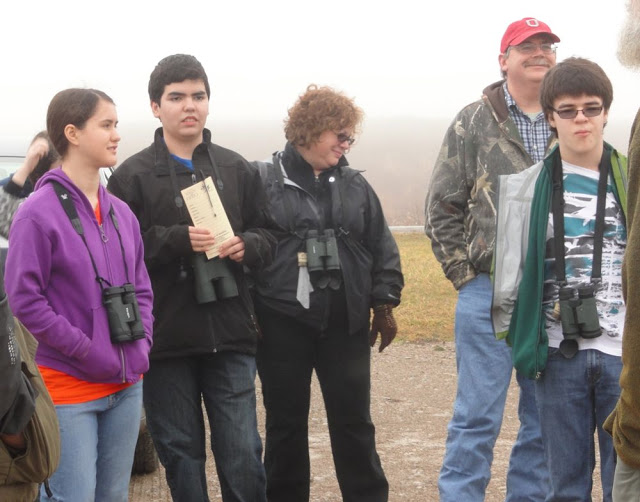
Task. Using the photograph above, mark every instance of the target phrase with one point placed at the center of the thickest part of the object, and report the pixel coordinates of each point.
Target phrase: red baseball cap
(519, 31)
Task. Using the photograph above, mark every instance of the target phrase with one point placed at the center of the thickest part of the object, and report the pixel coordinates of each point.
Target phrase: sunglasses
(572, 113)
(342, 137)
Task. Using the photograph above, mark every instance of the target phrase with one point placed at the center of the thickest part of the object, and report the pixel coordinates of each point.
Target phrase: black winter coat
(182, 326)
(341, 199)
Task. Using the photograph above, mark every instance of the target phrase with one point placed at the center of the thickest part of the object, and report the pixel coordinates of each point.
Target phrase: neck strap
(277, 166)
(557, 207)
(72, 214)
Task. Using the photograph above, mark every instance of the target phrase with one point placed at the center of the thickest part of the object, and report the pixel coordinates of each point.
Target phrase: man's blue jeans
(574, 397)
(174, 390)
(484, 374)
(98, 441)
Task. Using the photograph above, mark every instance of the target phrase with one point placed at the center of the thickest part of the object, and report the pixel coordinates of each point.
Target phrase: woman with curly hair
(336, 263)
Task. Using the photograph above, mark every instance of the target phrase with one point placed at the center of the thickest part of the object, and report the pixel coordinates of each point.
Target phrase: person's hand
(383, 323)
(233, 248)
(201, 239)
(38, 149)
(16, 442)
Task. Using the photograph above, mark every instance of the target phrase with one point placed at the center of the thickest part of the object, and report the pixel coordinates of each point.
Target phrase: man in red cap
(504, 132)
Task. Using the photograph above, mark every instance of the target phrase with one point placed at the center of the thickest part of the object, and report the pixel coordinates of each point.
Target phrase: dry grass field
(428, 298)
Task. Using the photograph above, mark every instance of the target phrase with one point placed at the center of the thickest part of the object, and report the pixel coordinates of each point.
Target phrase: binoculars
(579, 316)
(123, 313)
(322, 251)
(214, 280)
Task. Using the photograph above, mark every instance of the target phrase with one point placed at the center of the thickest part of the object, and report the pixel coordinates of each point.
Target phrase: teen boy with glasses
(502, 133)
(566, 324)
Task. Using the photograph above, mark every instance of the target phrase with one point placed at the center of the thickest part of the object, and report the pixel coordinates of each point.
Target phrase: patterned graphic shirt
(580, 196)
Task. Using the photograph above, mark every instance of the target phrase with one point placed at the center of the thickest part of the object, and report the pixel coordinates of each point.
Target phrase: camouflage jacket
(481, 144)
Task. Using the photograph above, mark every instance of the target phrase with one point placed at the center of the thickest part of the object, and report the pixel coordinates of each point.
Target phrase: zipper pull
(102, 234)
(256, 326)
(193, 178)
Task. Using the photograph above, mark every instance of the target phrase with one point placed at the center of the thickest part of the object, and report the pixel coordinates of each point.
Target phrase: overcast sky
(424, 58)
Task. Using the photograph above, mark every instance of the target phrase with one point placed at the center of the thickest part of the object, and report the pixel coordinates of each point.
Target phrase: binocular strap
(557, 207)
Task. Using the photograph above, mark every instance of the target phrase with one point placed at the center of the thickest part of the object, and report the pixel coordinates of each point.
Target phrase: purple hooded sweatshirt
(52, 285)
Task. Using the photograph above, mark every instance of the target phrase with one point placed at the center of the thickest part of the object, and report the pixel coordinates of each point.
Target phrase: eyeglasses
(342, 137)
(530, 48)
(572, 113)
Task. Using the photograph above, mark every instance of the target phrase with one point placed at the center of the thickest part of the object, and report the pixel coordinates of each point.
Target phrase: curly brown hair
(318, 110)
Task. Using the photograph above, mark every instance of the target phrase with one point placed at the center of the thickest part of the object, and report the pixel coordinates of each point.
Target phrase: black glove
(383, 323)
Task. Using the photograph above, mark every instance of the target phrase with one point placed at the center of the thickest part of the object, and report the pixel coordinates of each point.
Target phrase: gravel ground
(413, 387)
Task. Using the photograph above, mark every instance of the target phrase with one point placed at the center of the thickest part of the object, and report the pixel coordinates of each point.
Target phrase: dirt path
(413, 386)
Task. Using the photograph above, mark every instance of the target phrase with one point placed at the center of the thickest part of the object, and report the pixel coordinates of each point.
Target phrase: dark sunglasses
(572, 113)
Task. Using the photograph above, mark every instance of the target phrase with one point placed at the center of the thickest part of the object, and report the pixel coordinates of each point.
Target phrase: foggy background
(397, 154)
(411, 65)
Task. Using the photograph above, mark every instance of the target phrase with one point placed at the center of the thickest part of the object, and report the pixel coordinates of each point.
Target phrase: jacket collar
(494, 95)
(163, 160)
(298, 170)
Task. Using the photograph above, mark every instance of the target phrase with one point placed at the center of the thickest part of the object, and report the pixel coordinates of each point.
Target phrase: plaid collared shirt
(535, 134)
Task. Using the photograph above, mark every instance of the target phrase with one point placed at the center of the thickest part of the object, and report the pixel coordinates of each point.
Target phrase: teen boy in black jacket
(202, 351)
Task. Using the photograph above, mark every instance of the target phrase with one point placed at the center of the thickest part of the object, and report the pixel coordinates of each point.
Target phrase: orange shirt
(66, 389)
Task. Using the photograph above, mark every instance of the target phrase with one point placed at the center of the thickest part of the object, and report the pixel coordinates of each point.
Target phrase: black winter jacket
(182, 326)
(341, 199)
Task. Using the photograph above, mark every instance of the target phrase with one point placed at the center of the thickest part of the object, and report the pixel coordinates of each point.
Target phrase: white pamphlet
(206, 211)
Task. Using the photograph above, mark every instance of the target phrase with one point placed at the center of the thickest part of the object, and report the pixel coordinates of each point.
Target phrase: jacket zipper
(213, 336)
(105, 239)
(103, 236)
(256, 326)
(122, 361)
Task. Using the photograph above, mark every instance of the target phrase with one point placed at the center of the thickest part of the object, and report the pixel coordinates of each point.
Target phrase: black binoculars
(579, 316)
(123, 313)
(322, 251)
(214, 280)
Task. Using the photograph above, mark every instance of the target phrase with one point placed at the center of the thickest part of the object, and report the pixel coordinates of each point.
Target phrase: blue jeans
(174, 390)
(574, 397)
(484, 374)
(98, 441)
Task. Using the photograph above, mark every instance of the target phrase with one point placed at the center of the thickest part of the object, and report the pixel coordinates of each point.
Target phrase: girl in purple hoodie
(76, 278)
